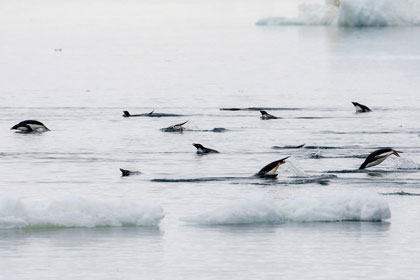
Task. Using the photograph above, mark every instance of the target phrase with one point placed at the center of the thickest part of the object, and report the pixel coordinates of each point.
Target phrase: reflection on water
(81, 234)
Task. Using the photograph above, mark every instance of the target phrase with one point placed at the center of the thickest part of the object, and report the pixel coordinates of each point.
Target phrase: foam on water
(77, 212)
(354, 13)
(262, 209)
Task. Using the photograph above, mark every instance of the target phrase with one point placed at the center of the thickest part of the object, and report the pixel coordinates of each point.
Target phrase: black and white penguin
(203, 150)
(269, 171)
(378, 157)
(175, 128)
(267, 116)
(128, 172)
(360, 108)
(30, 126)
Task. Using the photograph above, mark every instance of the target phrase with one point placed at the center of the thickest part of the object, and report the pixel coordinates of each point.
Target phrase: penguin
(360, 108)
(201, 150)
(128, 172)
(152, 114)
(30, 126)
(218, 129)
(127, 114)
(288, 147)
(267, 116)
(175, 128)
(269, 171)
(378, 157)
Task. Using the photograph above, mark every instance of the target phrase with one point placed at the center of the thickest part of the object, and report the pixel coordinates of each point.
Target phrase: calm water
(192, 58)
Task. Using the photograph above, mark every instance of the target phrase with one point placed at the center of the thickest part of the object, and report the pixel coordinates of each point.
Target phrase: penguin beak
(396, 153)
(283, 160)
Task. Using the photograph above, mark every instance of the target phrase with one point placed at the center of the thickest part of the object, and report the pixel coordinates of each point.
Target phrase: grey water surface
(76, 65)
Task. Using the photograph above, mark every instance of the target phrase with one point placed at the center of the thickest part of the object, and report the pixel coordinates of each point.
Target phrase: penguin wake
(322, 180)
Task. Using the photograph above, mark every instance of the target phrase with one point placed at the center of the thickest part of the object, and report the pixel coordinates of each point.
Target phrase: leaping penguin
(378, 157)
(360, 108)
(175, 128)
(128, 172)
(269, 171)
(267, 116)
(203, 150)
(30, 126)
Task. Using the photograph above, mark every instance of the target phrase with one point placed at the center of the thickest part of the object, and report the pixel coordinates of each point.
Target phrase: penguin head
(125, 172)
(198, 146)
(283, 160)
(394, 152)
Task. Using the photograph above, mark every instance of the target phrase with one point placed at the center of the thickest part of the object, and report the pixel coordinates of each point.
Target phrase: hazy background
(138, 50)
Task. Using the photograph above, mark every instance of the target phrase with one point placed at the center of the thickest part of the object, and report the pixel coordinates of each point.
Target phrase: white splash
(261, 209)
(404, 163)
(316, 155)
(353, 13)
(293, 166)
(77, 212)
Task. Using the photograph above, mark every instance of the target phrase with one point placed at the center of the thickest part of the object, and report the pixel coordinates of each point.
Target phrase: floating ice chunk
(77, 212)
(261, 209)
(353, 13)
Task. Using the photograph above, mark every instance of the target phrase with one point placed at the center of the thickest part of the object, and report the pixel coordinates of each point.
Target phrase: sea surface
(66, 212)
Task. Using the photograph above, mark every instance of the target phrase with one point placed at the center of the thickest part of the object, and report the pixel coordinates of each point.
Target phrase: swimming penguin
(288, 147)
(378, 157)
(128, 172)
(127, 114)
(175, 128)
(267, 116)
(203, 150)
(30, 126)
(360, 108)
(269, 171)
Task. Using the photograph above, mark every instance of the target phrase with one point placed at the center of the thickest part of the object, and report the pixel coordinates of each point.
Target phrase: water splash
(404, 163)
(316, 155)
(294, 167)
